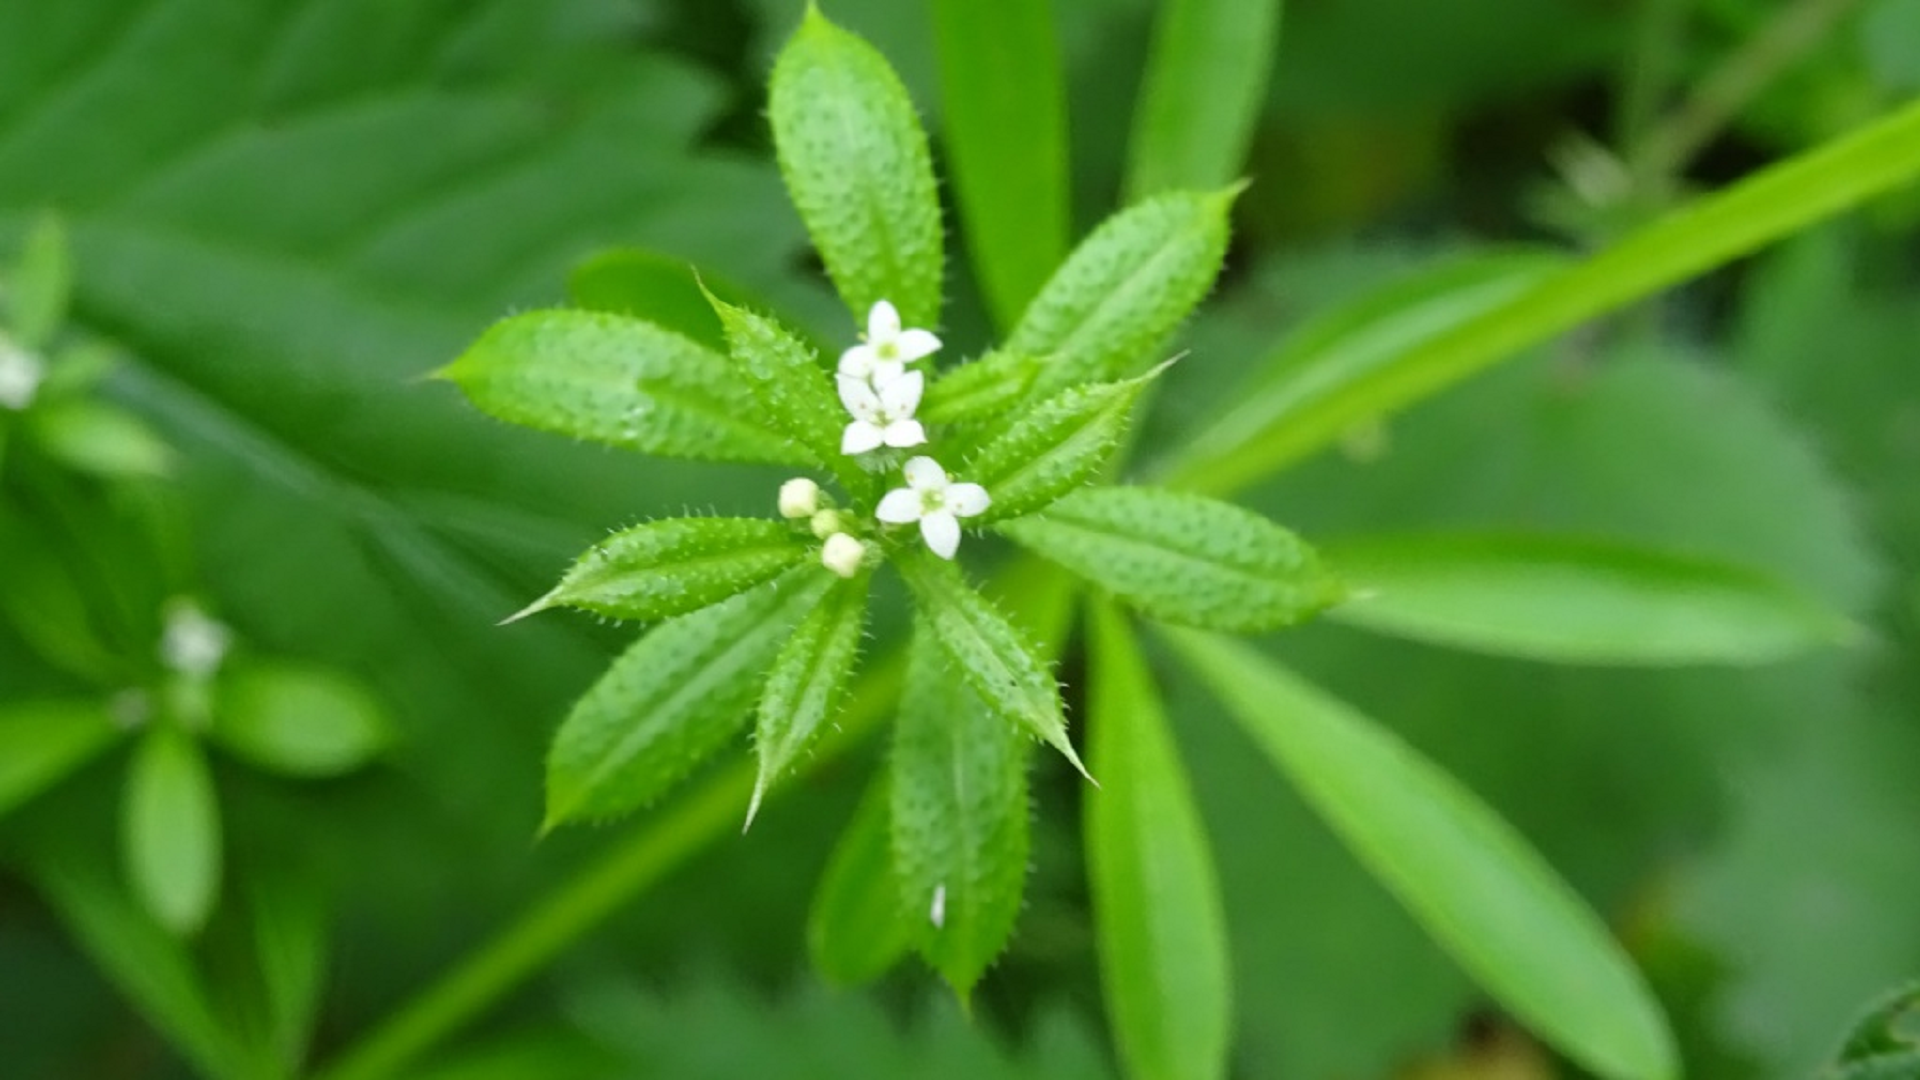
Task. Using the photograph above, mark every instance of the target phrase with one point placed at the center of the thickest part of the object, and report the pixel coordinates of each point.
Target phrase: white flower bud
(826, 523)
(842, 554)
(799, 498)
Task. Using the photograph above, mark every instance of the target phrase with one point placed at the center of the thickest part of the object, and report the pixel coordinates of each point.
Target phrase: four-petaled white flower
(887, 350)
(882, 416)
(20, 375)
(935, 501)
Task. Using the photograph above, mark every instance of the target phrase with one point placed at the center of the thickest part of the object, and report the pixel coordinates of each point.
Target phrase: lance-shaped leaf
(619, 381)
(1279, 416)
(170, 831)
(671, 567)
(42, 742)
(788, 384)
(1577, 600)
(1182, 558)
(298, 719)
(1205, 83)
(809, 681)
(1475, 885)
(987, 651)
(671, 700)
(1156, 899)
(40, 285)
(856, 164)
(855, 928)
(980, 390)
(1054, 448)
(91, 436)
(1125, 289)
(959, 816)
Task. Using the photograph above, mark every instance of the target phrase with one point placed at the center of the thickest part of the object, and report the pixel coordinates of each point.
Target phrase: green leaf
(959, 784)
(788, 384)
(1157, 914)
(809, 681)
(289, 927)
(1890, 1029)
(672, 699)
(856, 164)
(1205, 83)
(42, 742)
(666, 568)
(38, 289)
(987, 651)
(1125, 289)
(1005, 117)
(1279, 416)
(297, 719)
(618, 381)
(655, 288)
(1482, 893)
(979, 390)
(100, 439)
(170, 833)
(1053, 448)
(1182, 558)
(1575, 600)
(855, 929)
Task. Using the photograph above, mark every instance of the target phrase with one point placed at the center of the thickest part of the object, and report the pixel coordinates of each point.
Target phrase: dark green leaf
(38, 289)
(1205, 83)
(41, 742)
(170, 834)
(855, 928)
(1182, 558)
(1156, 899)
(297, 719)
(289, 926)
(1472, 881)
(808, 683)
(666, 568)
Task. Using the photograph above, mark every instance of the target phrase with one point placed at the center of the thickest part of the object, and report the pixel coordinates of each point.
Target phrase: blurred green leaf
(1276, 418)
(1890, 37)
(673, 698)
(100, 439)
(1205, 84)
(297, 719)
(1470, 879)
(1006, 136)
(654, 288)
(1182, 558)
(808, 683)
(41, 742)
(38, 289)
(856, 164)
(1053, 448)
(1576, 600)
(987, 651)
(855, 928)
(1125, 289)
(1164, 960)
(170, 830)
(290, 938)
(618, 381)
(666, 568)
(959, 817)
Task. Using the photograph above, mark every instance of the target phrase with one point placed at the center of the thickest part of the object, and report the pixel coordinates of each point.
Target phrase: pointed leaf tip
(535, 608)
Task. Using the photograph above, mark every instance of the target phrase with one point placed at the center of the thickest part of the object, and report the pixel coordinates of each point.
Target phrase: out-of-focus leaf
(298, 719)
(37, 290)
(672, 699)
(1125, 289)
(100, 439)
(41, 742)
(667, 568)
(1182, 558)
(1205, 83)
(857, 166)
(1053, 448)
(1006, 135)
(1156, 900)
(1890, 37)
(1573, 600)
(170, 832)
(855, 928)
(1274, 419)
(1470, 879)
(655, 288)
(289, 925)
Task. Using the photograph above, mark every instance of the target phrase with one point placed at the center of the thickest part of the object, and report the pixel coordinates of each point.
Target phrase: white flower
(193, 644)
(932, 499)
(883, 416)
(799, 498)
(20, 375)
(937, 911)
(887, 350)
(842, 554)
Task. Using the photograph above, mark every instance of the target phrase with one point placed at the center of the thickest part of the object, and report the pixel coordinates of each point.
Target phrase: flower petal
(885, 372)
(925, 474)
(858, 396)
(915, 344)
(860, 437)
(883, 323)
(901, 396)
(858, 362)
(899, 506)
(941, 530)
(904, 433)
(967, 500)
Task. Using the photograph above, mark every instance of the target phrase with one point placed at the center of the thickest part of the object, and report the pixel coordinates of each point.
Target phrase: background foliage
(283, 214)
